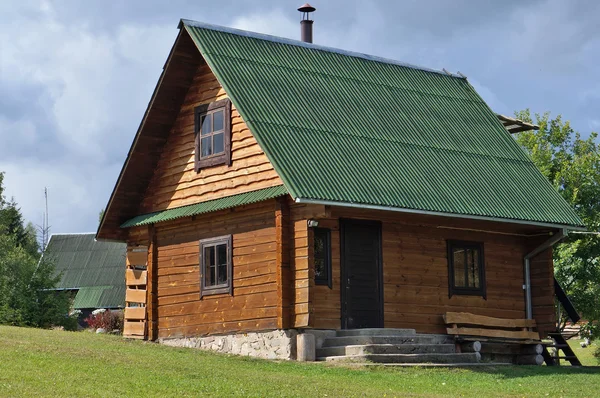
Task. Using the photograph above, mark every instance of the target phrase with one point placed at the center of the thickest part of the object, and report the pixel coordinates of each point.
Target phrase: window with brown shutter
(213, 134)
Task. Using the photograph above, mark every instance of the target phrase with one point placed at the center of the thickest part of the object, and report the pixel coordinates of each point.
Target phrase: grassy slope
(53, 363)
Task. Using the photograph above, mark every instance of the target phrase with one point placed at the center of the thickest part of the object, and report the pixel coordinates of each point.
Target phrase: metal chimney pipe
(306, 24)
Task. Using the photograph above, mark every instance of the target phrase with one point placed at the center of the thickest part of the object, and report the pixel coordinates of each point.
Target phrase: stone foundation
(276, 344)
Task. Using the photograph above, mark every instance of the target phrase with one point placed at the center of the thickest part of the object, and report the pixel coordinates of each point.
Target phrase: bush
(105, 319)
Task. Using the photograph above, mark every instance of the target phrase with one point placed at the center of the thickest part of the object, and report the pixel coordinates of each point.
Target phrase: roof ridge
(298, 43)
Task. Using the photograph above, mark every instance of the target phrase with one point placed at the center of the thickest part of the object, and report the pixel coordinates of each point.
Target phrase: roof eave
(440, 214)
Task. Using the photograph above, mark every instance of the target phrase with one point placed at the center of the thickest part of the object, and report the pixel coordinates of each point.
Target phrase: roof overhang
(439, 214)
(514, 126)
(226, 202)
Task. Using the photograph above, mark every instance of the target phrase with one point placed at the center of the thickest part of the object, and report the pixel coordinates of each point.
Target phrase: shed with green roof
(93, 270)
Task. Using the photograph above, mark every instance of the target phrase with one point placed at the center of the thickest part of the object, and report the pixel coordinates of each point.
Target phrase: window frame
(466, 291)
(222, 158)
(226, 288)
(327, 280)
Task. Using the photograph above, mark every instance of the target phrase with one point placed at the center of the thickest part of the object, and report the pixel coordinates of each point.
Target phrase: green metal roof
(206, 207)
(99, 297)
(95, 269)
(354, 129)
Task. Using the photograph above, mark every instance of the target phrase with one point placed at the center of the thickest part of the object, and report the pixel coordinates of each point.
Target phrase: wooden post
(152, 299)
(284, 292)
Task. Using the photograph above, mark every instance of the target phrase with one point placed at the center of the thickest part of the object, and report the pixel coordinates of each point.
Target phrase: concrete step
(364, 340)
(376, 332)
(386, 349)
(463, 358)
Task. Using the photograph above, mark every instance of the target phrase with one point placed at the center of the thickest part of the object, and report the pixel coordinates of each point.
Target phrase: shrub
(105, 319)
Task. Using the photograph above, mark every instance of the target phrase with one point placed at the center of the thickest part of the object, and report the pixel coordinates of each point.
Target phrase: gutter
(527, 268)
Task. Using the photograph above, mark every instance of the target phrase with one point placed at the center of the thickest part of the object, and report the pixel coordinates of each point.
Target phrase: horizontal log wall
(542, 290)
(415, 271)
(255, 300)
(175, 182)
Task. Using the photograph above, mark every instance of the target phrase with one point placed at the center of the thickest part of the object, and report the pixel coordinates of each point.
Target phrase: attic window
(212, 128)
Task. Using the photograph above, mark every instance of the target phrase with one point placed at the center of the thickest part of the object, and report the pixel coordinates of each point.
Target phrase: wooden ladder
(559, 344)
(136, 278)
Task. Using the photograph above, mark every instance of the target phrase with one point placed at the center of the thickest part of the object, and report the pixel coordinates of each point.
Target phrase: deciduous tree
(571, 163)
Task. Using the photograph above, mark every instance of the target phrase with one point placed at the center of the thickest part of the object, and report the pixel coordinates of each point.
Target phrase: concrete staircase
(392, 346)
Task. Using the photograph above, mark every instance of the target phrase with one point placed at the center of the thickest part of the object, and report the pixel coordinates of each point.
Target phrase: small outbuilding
(92, 270)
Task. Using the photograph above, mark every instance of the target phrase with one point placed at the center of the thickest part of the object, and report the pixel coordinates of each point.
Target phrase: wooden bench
(464, 324)
(513, 340)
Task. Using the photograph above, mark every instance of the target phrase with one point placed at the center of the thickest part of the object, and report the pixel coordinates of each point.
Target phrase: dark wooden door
(362, 285)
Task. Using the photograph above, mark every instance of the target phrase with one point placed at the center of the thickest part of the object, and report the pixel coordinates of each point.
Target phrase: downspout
(547, 244)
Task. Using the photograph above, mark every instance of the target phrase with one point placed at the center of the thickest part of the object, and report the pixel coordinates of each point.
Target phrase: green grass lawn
(585, 355)
(41, 363)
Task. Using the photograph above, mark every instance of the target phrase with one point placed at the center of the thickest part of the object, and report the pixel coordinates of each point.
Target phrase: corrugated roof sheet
(99, 297)
(208, 206)
(85, 264)
(350, 128)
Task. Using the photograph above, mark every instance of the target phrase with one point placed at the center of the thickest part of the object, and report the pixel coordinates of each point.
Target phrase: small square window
(213, 134)
(322, 256)
(216, 265)
(466, 274)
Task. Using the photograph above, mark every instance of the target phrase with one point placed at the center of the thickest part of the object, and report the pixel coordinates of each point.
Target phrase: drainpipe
(527, 286)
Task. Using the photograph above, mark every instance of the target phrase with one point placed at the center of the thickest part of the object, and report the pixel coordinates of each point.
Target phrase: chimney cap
(306, 8)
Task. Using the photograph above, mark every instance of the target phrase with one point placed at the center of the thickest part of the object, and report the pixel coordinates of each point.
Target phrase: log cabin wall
(542, 291)
(415, 272)
(176, 183)
(254, 304)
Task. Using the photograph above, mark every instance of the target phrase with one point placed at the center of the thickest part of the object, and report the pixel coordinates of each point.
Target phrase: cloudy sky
(76, 76)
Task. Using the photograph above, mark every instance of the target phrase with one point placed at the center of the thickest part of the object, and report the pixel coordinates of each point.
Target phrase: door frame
(343, 273)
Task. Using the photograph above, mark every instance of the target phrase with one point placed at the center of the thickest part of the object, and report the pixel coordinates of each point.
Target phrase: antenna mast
(45, 228)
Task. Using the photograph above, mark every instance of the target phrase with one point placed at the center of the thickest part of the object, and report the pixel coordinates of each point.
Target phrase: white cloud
(275, 22)
(91, 90)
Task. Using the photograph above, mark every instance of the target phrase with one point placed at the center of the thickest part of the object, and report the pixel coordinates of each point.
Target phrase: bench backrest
(466, 324)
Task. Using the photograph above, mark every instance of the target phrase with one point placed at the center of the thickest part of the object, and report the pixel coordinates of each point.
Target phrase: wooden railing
(136, 278)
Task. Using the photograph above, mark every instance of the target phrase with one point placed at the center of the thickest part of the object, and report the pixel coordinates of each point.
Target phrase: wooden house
(276, 187)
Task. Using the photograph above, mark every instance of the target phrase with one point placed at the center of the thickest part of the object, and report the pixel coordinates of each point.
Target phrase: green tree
(572, 164)
(26, 282)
